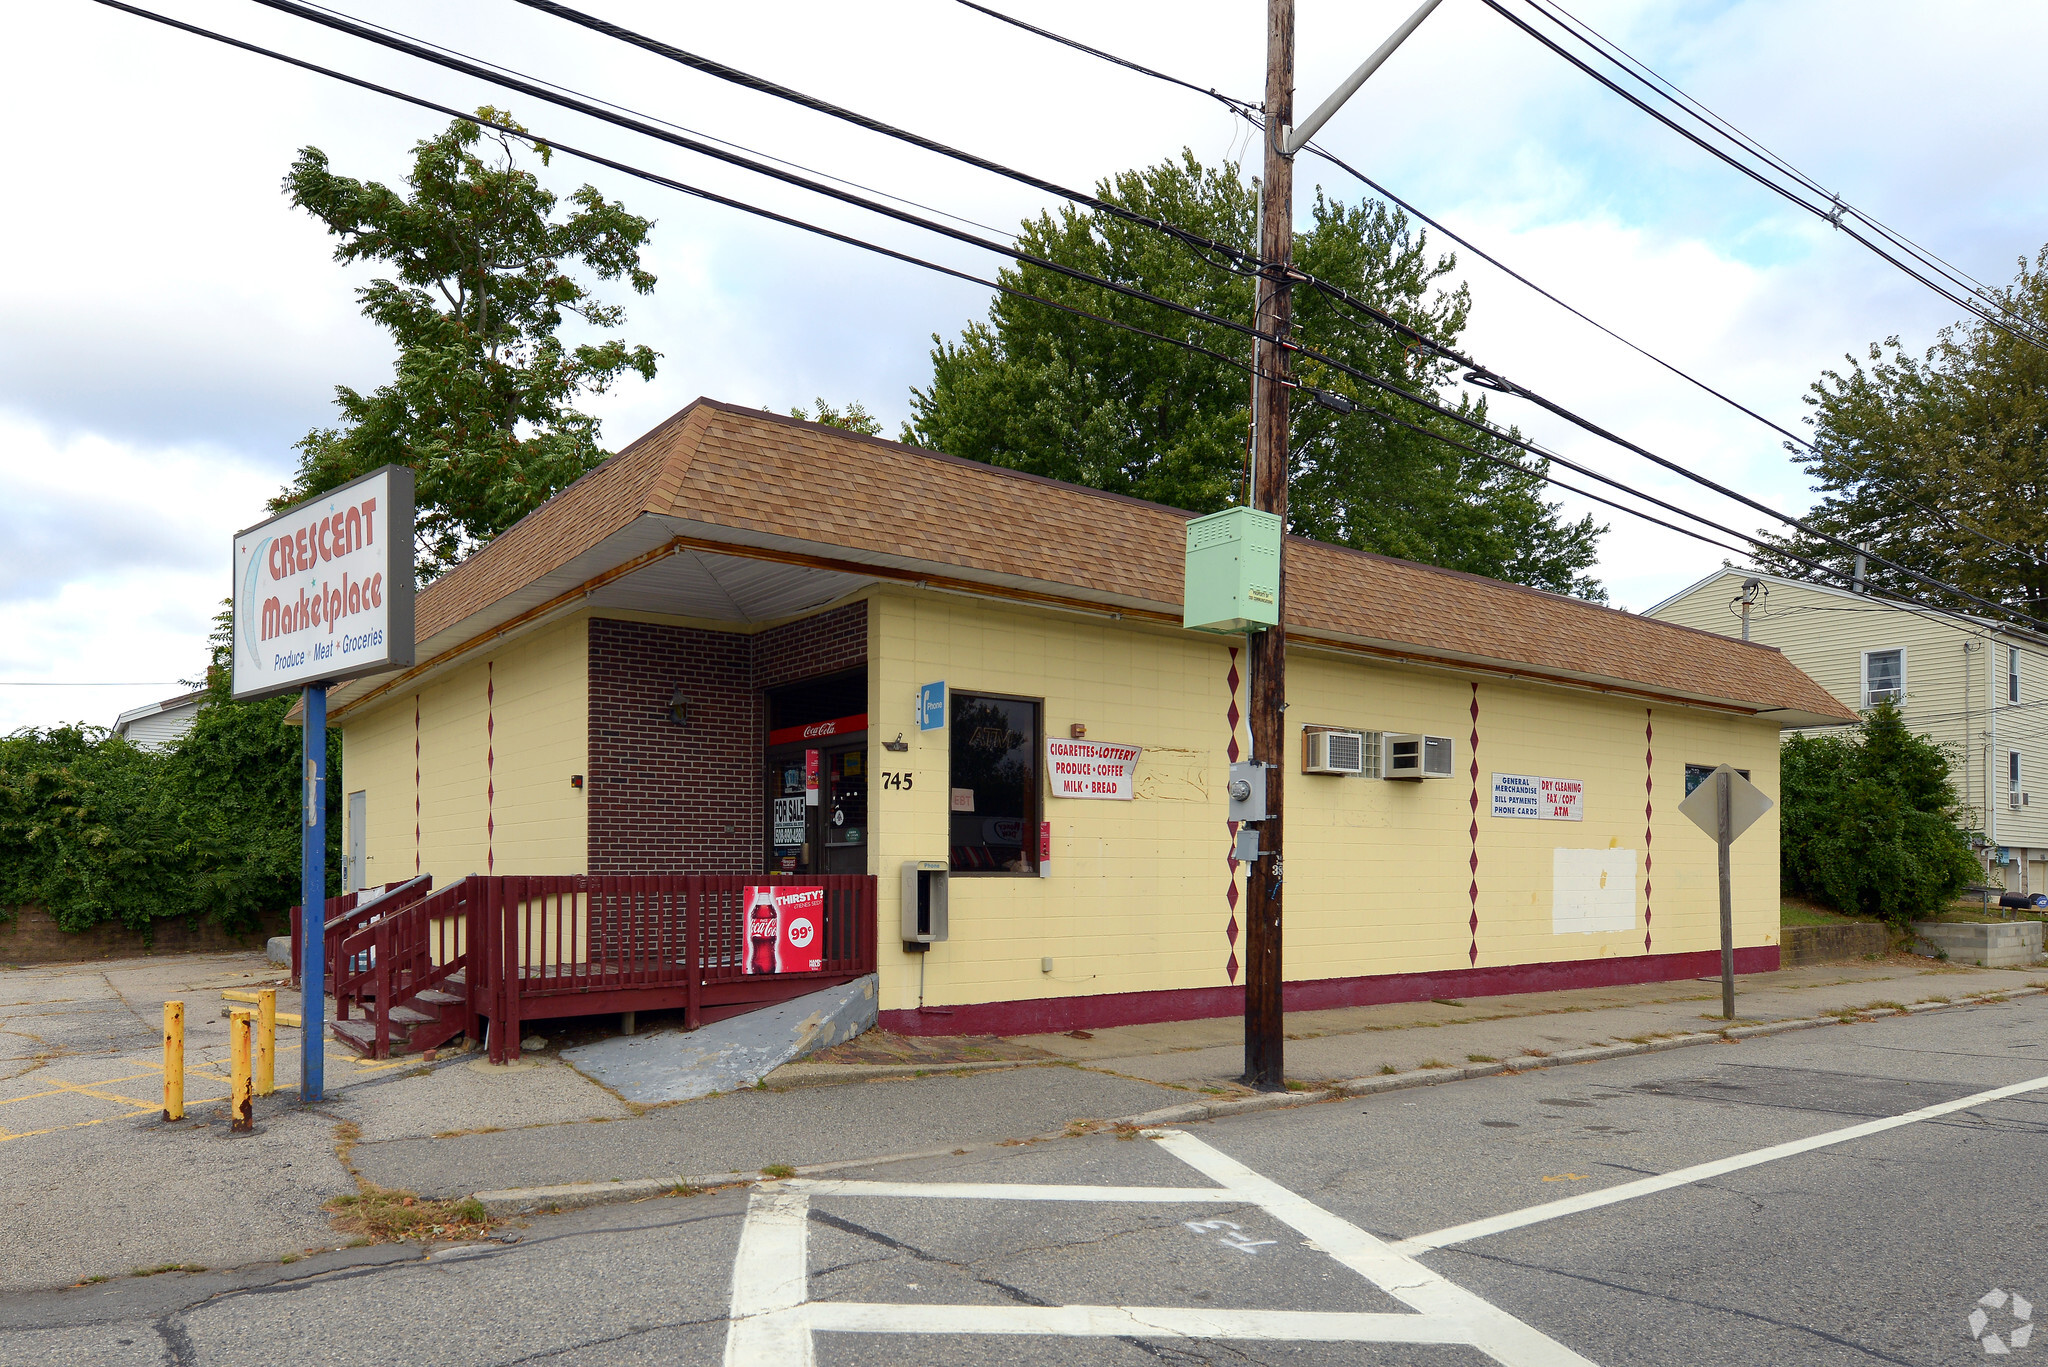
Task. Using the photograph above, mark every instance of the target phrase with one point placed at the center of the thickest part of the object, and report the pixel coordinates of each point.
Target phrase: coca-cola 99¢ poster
(785, 929)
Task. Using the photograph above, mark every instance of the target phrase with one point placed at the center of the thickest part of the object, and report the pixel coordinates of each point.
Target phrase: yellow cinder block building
(656, 671)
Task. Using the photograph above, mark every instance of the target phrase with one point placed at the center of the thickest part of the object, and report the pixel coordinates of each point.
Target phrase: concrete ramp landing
(726, 1055)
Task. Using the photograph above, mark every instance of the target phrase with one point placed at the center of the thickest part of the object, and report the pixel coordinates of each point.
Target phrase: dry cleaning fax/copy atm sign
(1539, 799)
(323, 591)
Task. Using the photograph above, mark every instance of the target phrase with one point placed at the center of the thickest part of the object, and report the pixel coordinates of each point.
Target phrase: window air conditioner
(1419, 757)
(1333, 752)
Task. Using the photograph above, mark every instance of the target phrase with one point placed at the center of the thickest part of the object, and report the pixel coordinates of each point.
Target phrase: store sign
(785, 929)
(1090, 768)
(819, 730)
(789, 821)
(812, 777)
(323, 591)
(931, 706)
(1539, 799)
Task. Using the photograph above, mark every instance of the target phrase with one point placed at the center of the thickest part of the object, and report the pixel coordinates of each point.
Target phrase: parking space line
(772, 1319)
(1699, 1172)
(1000, 1191)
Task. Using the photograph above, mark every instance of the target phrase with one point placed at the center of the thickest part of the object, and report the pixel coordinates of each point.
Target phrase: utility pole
(1264, 1033)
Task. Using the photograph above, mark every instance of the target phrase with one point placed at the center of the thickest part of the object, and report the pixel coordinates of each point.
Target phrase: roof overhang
(662, 564)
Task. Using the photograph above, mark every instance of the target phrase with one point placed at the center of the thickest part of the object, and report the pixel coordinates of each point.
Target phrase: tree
(480, 402)
(1037, 389)
(1916, 456)
(854, 418)
(1868, 824)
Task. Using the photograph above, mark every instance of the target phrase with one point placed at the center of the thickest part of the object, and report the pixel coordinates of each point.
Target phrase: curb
(874, 1072)
(580, 1195)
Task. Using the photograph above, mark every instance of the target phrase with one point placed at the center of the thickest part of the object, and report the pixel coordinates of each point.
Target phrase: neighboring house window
(993, 821)
(2012, 673)
(2012, 775)
(1884, 676)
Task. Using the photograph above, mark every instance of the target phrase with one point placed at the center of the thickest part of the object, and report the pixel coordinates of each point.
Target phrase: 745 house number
(900, 781)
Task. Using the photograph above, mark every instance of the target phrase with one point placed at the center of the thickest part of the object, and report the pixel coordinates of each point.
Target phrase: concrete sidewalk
(92, 1183)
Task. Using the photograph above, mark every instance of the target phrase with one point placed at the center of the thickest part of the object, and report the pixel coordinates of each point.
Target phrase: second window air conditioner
(1419, 757)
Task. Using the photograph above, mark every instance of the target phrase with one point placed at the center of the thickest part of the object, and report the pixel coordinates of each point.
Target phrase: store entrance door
(831, 835)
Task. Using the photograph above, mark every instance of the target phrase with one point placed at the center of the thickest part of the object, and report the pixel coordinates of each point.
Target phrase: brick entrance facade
(669, 798)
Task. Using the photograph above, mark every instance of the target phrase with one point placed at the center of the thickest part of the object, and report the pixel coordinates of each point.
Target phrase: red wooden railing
(342, 913)
(539, 946)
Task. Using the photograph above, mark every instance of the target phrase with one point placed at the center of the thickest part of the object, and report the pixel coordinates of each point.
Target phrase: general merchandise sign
(1539, 799)
(323, 591)
(785, 929)
(1088, 768)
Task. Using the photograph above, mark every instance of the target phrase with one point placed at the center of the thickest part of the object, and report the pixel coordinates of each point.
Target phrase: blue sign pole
(313, 901)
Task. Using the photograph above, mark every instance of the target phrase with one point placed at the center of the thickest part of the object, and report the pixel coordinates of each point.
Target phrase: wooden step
(434, 996)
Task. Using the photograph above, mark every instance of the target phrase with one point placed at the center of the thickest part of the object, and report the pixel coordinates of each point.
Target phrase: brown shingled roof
(865, 499)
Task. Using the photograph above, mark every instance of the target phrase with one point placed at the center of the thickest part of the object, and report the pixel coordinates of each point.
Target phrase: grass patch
(1388, 1070)
(1434, 1063)
(1535, 1053)
(1481, 1058)
(378, 1215)
(481, 1129)
(1792, 911)
(161, 1268)
(777, 1170)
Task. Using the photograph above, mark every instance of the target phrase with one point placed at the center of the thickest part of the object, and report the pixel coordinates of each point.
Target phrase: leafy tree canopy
(1916, 455)
(854, 418)
(480, 402)
(1037, 389)
(1868, 824)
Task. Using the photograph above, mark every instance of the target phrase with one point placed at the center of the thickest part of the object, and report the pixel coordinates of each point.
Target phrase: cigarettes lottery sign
(323, 591)
(1086, 768)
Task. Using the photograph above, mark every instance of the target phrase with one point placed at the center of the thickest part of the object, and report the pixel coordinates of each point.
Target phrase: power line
(1248, 112)
(1614, 52)
(656, 118)
(88, 683)
(1479, 374)
(1970, 303)
(1245, 108)
(1321, 396)
(746, 81)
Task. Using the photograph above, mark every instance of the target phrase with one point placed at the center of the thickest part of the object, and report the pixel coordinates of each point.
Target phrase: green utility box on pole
(1233, 572)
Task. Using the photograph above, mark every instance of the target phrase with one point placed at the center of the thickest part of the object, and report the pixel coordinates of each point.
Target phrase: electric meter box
(1233, 572)
(924, 901)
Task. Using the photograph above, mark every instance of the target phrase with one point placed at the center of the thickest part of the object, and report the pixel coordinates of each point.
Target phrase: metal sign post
(1725, 806)
(313, 901)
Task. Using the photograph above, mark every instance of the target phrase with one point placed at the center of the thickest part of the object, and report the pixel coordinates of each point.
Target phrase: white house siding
(1948, 691)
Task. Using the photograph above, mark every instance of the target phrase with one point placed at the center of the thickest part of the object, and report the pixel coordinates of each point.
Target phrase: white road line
(1699, 1172)
(769, 1324)
(1491, 1330)
(998, 1191)
(1132, 1321)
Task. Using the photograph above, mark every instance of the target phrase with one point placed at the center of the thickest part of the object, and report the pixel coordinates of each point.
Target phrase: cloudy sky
(171, 325)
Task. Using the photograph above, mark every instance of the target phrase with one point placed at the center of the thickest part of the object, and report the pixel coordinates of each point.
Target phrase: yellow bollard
(174, 1060)
(266, 1041)
(241, 1106)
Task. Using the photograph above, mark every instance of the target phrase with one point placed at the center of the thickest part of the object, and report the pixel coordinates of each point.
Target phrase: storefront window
(994, 784)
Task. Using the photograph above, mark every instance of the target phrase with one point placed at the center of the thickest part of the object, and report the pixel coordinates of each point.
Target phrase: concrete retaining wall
(1821, 944)
(1991, 944)
(33, 937)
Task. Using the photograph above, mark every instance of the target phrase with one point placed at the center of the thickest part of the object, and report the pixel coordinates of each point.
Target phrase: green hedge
(1868, 823)
(93, 829)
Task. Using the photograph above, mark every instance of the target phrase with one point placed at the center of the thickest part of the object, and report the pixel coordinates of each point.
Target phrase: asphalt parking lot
(1455, 1224)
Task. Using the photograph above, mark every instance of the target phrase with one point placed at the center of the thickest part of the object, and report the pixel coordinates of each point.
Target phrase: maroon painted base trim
(1046, 1014)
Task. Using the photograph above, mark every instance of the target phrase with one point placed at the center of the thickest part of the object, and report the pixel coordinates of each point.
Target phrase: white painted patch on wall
(1592, 891)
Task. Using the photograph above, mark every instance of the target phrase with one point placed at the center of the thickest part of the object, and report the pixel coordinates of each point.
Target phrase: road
(1542, 1218)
